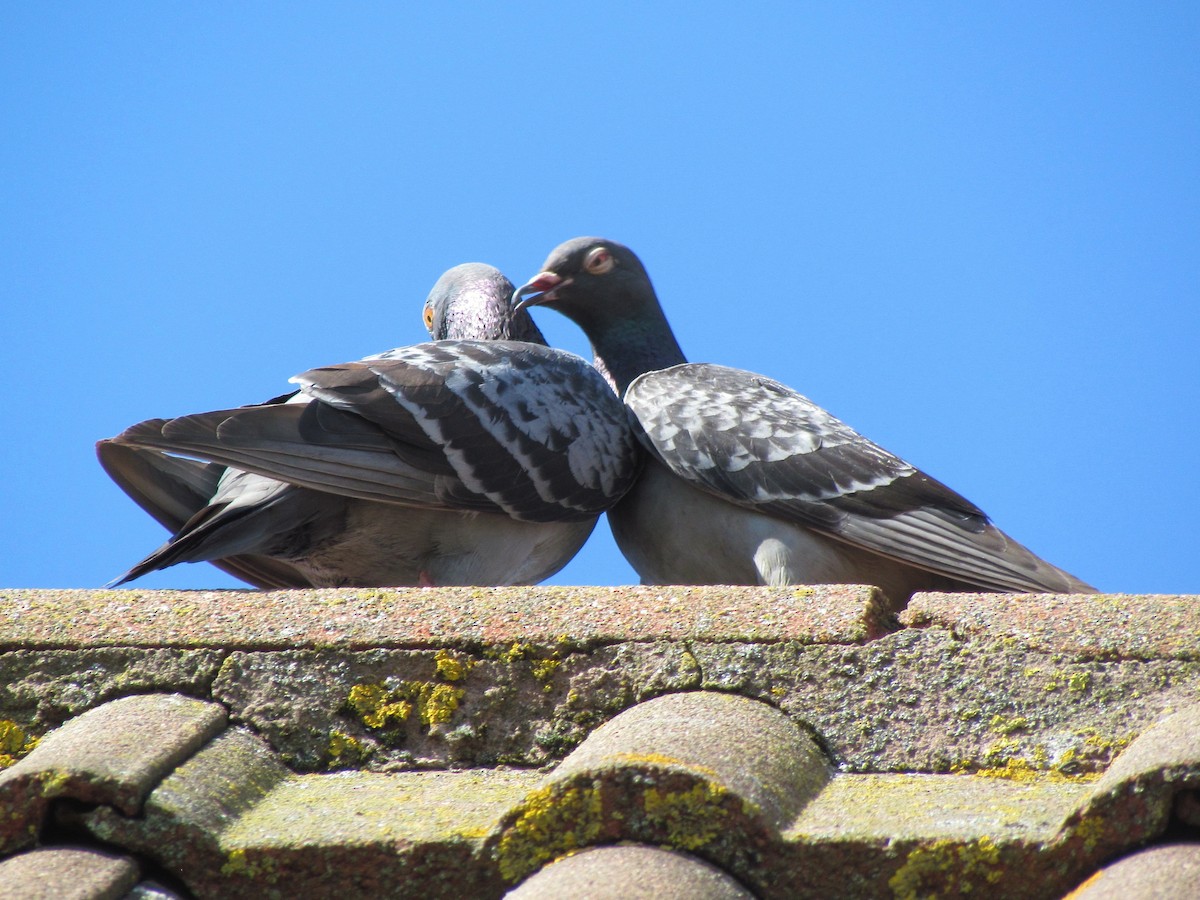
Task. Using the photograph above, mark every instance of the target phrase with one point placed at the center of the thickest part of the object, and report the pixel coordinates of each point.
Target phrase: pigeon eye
(599, 261)
(429, 318)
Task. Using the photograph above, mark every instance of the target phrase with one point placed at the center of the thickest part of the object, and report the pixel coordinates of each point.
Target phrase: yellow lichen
(687, 820)
(1023, 771)
(552, 821)
(436, 703)
(516, 651)
(378, 707)
(344, 748)
(1000, 750)
(54, 783)
(948, 867)
(1108, 747)
(1004, 725)
(1072, 681)
(238, 863)
(14, 743)
(1090, 831)
(451, 667)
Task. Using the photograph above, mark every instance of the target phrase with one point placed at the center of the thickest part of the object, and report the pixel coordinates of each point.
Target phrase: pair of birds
(485, 457)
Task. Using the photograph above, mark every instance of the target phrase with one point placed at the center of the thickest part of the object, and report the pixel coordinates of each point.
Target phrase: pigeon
(749, 482)
(483, 457)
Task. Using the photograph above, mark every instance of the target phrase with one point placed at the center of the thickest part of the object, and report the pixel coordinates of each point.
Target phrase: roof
(548, 742)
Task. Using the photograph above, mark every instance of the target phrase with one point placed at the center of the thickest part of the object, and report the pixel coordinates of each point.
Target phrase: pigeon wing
(761, 445)
(489, 426)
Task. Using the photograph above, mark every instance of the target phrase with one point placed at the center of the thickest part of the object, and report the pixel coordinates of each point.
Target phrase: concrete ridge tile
(1089, 626)
(629, 872)
(181, 822)
(113, 754)
(1135, 799)
(420, 617)
(1164, 871)
(735, 743)
(67, 873)
(702, 771)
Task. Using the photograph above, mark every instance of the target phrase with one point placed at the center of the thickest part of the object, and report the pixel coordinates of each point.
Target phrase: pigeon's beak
(541, 289)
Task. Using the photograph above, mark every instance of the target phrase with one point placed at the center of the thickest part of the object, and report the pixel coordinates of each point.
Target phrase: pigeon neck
(625, 350)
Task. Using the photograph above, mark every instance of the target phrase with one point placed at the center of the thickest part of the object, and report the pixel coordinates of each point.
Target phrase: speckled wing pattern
(761, 445)
(497, 426)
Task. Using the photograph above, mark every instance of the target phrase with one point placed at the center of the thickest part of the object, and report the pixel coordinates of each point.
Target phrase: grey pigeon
(752, 483)
(456, 462)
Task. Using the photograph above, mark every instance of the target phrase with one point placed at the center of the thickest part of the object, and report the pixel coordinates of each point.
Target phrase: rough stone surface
(519, 703)
(40, 689)
(629, 872)
(1092, 626)
(537, 671)
(415, 617)
(67, 873)
(924, 700)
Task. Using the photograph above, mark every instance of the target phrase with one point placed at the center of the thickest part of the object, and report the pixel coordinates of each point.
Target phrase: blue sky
(972, 231)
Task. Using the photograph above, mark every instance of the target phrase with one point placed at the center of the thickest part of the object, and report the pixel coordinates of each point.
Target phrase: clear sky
(972, 231)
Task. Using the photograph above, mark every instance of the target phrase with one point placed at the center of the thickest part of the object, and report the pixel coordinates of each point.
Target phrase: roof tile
(113, 754)
(67, 873)
(629, 872)
(1167, 871)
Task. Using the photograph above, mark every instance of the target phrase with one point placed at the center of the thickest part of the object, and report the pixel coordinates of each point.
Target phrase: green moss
(15, 743)
(552, 821)
(948, 868)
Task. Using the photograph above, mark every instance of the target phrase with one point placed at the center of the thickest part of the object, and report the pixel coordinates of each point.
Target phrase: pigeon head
(591, 281)
(471, 302)
(603, 288)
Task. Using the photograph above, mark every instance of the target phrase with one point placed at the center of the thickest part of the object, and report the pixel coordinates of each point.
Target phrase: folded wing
(761, 445)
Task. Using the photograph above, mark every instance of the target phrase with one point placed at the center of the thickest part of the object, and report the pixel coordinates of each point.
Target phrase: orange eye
(599, 261)
(429, 319)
